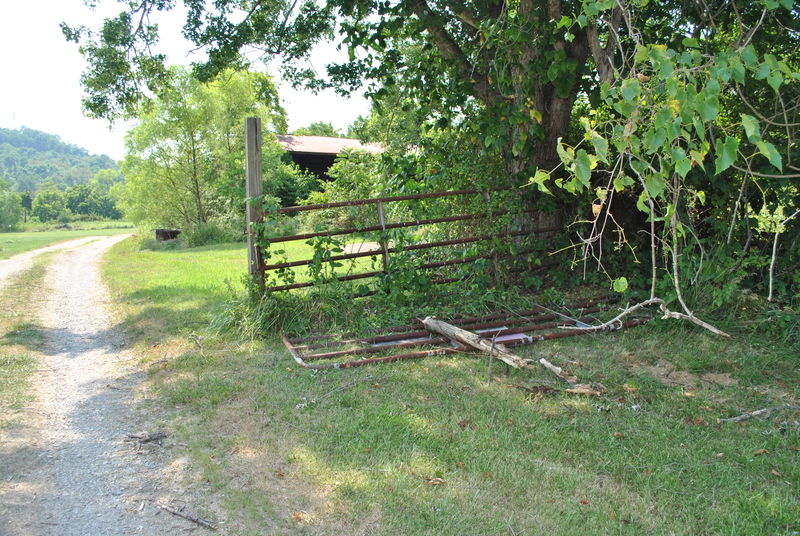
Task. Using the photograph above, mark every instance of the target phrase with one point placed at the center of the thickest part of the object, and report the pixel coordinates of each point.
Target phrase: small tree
(48, 205)
(10, 210)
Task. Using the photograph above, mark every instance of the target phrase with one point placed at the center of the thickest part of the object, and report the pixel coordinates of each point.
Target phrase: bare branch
(775, 252)
(452, 51)
(767, 175)
(764, 412)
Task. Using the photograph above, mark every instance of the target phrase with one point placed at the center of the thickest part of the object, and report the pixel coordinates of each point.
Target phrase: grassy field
(90, 225)
(436, 447)
(19, 242)
(19, 336)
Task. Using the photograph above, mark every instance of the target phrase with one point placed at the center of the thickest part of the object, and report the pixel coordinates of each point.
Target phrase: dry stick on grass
(764, 412)
(558, 371)
(190, 517)
(146, 438)
(532, 390)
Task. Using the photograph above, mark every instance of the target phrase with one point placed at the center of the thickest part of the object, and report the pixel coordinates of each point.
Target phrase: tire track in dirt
(67, 470)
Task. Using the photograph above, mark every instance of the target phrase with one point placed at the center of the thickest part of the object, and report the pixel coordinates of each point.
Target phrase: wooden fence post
(252, 144)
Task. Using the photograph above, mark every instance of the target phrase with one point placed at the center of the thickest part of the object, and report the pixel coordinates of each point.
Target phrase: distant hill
(29, 158)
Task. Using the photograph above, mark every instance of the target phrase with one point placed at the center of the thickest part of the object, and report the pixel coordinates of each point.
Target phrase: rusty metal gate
(446, 256)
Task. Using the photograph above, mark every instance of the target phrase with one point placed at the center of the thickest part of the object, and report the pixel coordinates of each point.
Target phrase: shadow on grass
(641, 460)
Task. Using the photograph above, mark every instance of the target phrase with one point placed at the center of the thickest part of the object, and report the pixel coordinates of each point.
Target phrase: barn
(316, 154)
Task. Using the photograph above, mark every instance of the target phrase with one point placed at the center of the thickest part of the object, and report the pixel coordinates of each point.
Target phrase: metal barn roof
(324, 145)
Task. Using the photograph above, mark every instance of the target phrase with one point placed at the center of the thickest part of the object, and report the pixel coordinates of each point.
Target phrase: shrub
(213, 232)
(48, 205)
(10, 210)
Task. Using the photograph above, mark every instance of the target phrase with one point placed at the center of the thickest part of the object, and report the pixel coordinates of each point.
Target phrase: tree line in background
(46, 180)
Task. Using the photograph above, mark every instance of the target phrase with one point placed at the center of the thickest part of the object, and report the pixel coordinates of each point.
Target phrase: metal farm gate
(374, 226)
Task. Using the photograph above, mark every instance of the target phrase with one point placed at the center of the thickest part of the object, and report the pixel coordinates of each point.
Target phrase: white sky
(40, 86)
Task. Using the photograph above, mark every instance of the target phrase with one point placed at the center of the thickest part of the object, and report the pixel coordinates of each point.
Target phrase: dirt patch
(666, 373)
(67, 468)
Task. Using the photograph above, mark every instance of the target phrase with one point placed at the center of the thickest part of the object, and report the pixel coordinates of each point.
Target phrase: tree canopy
(185, 157)
(318, 128)
(690, 110)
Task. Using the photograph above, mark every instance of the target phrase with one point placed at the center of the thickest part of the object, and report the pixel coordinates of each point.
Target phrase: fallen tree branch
(763, 412)
(475, 341)
(692, 318)
(491, 347)
(189, 517)
(616, 322)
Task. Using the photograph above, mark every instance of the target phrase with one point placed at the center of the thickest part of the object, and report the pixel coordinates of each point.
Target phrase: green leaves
(539, 179)
(683, 166)
(772, 154)
(690, 42)
(631, 88)
(708, 108)
(751, 128)
(600, 145)
(749, 56)
(620, 284)
(775, 79)
(621, 182)
(726, 153)
(565, 153)
(584, 164)
(655, 184)
(654, 140)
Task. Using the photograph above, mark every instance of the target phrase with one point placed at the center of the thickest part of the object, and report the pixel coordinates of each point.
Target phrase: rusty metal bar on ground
(581, 307)
(362, 202)
(299, 358)
(471, 325)
(425, 339)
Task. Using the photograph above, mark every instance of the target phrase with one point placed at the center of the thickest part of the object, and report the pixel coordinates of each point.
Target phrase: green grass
(90, 225)
(19, 242)
(19, 338)
(357, 451)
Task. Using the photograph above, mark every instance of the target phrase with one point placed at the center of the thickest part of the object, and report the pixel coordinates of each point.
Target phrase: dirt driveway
(18, 263)
(67, 468)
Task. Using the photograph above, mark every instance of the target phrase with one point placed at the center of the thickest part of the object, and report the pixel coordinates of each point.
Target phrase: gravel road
(18, 263)
(66, 468)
